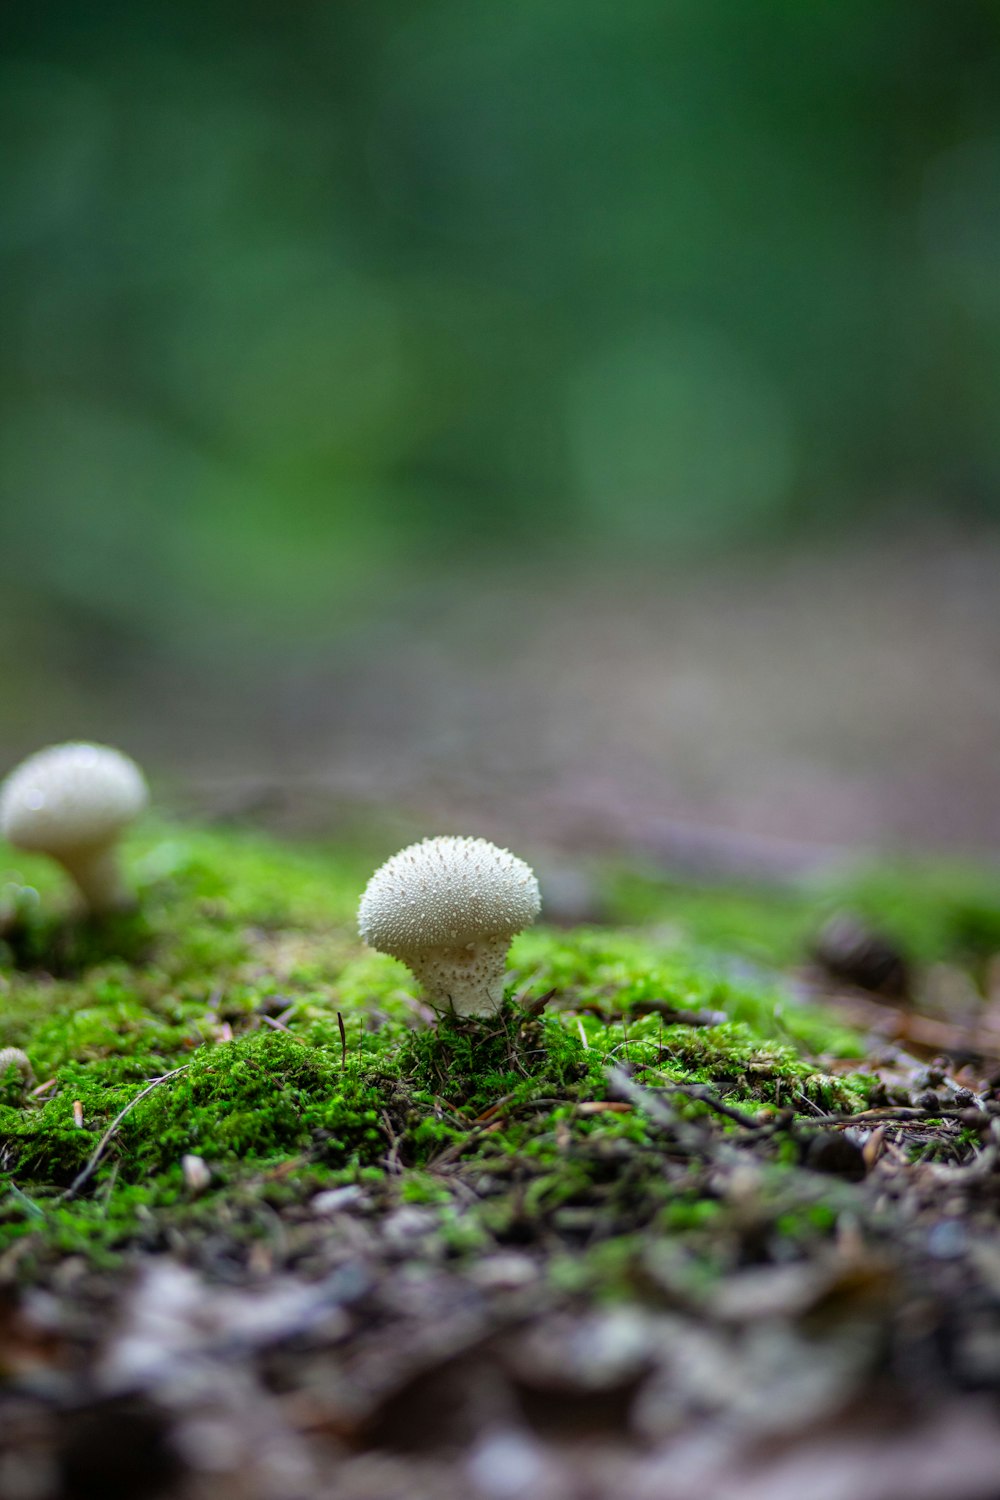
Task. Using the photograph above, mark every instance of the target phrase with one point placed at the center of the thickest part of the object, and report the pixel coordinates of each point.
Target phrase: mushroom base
(98, 877)
(466, 981)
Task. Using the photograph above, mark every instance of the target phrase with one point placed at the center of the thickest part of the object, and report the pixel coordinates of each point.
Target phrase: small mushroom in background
(448, 908)
(73, 802)
(13, 1057)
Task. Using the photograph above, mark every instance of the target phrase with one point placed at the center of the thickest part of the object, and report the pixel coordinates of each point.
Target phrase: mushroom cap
(70, 797)
(447, 893)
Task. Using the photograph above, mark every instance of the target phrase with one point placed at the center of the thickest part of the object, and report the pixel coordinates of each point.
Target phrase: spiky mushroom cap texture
(73, 802)
(448, 908)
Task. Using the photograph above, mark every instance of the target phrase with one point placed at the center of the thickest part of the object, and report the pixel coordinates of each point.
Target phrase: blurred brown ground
(769, 711)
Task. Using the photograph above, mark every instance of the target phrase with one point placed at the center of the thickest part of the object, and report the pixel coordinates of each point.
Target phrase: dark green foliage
(628, 252)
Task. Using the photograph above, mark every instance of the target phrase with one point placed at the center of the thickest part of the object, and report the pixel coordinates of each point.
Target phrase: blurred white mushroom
(73, 802)
(13, 1057)
(448, 908)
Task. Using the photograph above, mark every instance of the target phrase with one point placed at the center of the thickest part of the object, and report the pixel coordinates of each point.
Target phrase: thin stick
(863, 1117)
(102, 1144)
(705, 1096)
(392, 1160)
(492, 1110)
(275, 1023)
(343, 1040)
(902, 1115)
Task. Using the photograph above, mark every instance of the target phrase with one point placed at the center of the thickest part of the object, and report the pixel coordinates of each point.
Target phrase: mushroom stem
(468, 981)
(98, 875)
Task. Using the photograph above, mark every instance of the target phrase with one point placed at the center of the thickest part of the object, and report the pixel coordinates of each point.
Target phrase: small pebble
(210, 1444)
(407, 1225)
(197, 1173)
(504, 1272)
(334, 1200)
(947, 1240)
(507, 1465)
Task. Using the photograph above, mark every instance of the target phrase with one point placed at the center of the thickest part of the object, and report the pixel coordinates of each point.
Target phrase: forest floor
(767, 711)
(709, 1209)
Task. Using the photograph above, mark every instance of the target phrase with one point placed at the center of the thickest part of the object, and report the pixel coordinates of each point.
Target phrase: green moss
(622, 972)
(936, 912)
(260, 1097)
(472, 1064)
(230, 985)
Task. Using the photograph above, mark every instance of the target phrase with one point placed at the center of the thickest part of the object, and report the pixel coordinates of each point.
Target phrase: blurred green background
(313, 313)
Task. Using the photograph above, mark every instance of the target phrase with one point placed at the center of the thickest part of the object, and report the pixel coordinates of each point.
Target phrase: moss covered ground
(236, 1019)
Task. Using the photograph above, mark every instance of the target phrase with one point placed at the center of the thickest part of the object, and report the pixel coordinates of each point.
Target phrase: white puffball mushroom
(448, 908)
(73, 802)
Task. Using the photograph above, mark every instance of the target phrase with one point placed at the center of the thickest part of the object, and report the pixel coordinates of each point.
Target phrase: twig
(343, 1040)
(901, 1116)
(804, 1099)
(689, 1138)
(488, 1123)
(604, 1106)
(670, 1014)
(109, 1188)
(28, 1204)
(705, 1096)
(275, 1023)
(102, 1144)
(492, 1110)
(863, 1117)
(392, 1161)
(651, 1103)
(675, 1015)
(454, 1151)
